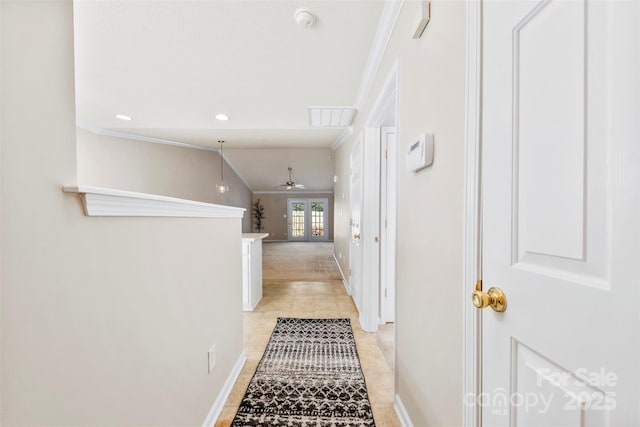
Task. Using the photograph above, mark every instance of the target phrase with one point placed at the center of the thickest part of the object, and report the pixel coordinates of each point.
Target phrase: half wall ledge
(98, 201)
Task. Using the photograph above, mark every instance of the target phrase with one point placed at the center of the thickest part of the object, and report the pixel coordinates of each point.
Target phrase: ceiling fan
(291, 184)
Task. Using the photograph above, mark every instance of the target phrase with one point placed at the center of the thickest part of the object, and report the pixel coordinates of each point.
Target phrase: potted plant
(258, 215)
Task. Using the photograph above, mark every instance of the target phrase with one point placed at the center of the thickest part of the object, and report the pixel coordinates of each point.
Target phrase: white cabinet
(252, 269)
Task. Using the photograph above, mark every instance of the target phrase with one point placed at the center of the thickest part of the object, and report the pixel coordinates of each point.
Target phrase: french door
(308, 219)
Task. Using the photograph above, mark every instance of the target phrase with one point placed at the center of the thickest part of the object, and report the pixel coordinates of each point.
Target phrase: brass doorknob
(494, 297)
(356, 236)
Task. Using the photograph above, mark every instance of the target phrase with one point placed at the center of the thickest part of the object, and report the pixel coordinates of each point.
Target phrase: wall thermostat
(420, 154)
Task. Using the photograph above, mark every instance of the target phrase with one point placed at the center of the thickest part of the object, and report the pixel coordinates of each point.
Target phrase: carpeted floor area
(299, 261)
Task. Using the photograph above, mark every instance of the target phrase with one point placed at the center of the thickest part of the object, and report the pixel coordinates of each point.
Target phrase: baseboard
(218, 405)
(293, 241)
(249, 307)
(401, 411)
(344, 280)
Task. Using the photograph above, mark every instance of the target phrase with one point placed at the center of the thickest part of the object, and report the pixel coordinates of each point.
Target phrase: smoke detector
(304, 17)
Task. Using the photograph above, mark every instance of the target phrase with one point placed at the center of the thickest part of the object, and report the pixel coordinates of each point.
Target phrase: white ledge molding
(99, 201)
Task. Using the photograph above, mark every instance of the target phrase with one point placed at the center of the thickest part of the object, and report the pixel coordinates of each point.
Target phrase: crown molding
(83, 124)
(388, 20)
(387, 23)
(98, 201)
(344, 136)
(293, 192)
(90, 127)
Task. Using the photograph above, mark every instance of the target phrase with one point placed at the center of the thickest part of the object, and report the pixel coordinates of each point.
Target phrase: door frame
(386, 103)
(472, 267)
(388, 224)
(355, 282)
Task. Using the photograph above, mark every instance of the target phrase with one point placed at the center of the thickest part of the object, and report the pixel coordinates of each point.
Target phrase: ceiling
(172, 65)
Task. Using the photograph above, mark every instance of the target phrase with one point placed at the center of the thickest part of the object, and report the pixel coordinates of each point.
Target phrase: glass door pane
(317, 219)
(297, 219)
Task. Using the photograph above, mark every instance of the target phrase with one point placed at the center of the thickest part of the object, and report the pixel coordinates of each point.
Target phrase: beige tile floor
(386, 340)
(295, 297)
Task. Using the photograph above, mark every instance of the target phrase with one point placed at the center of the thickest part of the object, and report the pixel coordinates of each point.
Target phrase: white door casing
(388, 203)
(355, 207)
(370, 231)
(561, 213)
(383, 113)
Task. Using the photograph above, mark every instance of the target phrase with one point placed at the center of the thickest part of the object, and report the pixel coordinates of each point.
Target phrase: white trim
(472, 326)
(344, 279)
(388, 223)
(387, 98)
(370, 229)
(388, 20)
(385, 103)
(99, 201)
(218, 404)
(234, 169)
(401, 412)
(83, 124)
(342, 138)
(291, 192)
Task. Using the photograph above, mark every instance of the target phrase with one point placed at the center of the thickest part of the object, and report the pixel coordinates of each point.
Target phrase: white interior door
(388, 224)
(355, 205)
(561, 234)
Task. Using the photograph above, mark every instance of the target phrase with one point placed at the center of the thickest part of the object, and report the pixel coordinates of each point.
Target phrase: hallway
(301, 280)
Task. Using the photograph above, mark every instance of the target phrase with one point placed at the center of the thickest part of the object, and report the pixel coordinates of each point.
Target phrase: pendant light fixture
(222, 187)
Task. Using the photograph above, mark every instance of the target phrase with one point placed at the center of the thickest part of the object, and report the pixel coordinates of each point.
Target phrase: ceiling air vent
(331, 116)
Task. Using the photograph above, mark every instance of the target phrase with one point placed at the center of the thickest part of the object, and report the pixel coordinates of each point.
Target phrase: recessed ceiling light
(222, 117)
(123, 117)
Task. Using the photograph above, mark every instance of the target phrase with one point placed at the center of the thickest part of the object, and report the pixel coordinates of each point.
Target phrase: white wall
(430, 210)
(104, 321)
(167, 170)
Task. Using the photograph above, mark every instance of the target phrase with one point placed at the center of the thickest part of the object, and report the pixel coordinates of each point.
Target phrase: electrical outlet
(212, 358)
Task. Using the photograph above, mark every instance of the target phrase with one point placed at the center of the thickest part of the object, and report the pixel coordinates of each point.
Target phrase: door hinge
(385, 292)
(349, 272)
(385, 223)
(386, 154)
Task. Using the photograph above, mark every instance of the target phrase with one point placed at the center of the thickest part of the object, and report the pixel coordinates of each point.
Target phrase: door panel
(561, 232)
(298, 223)
(318, 219)
(388, 224)
(355, 205)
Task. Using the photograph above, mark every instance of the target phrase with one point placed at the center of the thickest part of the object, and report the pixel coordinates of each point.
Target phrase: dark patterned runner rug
(309, 375)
